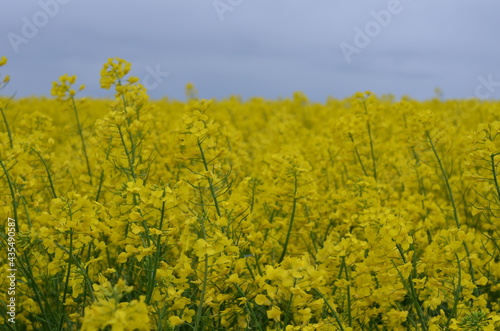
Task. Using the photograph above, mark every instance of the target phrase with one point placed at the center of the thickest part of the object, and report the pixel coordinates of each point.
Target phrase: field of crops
(367, 213)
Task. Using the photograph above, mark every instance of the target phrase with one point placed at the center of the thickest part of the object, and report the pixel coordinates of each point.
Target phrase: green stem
(290, 225)
(101, 180)
(348, 292)
(456, 295)
(249, 309)
(11, 141)
(41, 298)
(210, 182)
(152, 281)
(446, 180)
(371, 143)
(12, 193)
(287, 311)
(54, 195)
(206, 266)
(358, 156)
(452, 199)
(413, 292)
(127, 153)
(70, 258)
(493, 171)
(202, 296)
(334, 312)
(80, 133)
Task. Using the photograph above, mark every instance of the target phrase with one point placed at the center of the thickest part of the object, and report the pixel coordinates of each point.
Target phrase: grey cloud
(262, 47)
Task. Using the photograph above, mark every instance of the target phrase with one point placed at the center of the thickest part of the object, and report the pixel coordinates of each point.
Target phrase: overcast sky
(266, 48)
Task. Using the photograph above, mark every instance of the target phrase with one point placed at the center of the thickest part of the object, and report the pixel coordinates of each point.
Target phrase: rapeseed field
(366, 213)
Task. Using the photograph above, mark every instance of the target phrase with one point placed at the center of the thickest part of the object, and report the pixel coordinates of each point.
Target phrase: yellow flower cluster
(62, 90)
(366, 213)
(108, 311)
